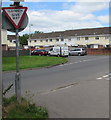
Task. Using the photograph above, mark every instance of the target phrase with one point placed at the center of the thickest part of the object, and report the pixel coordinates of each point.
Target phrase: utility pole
(1, 86)
(30, 36)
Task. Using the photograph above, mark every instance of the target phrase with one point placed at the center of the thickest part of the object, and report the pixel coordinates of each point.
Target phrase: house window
(46, 40)
(78, 38)
(86, 38)
(97, 37)
(69, 39)
(14, 41)
(10, 40)
(62, 39)
(50, 40)
(40, 40)
(106, 37)
(57, 40)
(35, 41)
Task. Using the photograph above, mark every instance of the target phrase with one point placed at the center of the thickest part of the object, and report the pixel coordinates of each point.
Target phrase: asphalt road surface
(77, 89)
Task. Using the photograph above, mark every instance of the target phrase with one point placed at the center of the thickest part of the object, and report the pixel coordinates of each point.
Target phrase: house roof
(11, 37)
(77, 32)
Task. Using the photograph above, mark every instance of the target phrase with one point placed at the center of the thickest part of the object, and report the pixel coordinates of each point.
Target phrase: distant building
(91, 37)
(8, 41)
(4, 39)
(11, 41)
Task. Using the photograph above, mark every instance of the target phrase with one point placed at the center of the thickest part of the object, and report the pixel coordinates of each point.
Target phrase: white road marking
(105, 76)
(82, 61)
(99, 78)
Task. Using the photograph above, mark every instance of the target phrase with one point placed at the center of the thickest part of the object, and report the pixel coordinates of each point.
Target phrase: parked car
(40, 52)
(59, 51)
(77, 51)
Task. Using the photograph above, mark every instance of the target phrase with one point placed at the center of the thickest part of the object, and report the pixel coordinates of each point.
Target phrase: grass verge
(9, 63)
(12, 109)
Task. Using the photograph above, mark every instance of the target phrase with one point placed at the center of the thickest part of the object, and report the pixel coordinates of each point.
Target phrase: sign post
(17, 75)
(15, 15)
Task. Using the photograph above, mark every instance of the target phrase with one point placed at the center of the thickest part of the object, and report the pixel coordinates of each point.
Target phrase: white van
(59, 51)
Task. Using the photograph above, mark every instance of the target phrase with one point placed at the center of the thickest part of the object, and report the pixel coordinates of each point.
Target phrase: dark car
(39, 52)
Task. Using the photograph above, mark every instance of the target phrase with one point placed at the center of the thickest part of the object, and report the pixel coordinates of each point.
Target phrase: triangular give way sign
(15, 15)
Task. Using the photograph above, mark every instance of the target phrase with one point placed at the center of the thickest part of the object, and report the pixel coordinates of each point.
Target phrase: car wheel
(79, 54)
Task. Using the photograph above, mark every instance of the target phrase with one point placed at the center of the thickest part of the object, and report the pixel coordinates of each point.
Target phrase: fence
(12, 53)
(98, 51)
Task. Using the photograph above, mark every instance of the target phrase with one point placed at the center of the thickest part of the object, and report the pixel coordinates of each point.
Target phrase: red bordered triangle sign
(15, 15)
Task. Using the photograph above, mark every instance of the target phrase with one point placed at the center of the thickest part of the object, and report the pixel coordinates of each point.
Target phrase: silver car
(77, 51)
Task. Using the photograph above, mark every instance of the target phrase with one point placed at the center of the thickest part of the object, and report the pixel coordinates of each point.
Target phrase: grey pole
(30, 35)
(17, 76)
(29, 39)
(1, 86)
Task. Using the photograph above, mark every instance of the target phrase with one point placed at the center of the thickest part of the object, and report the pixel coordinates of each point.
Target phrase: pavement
(89, 99)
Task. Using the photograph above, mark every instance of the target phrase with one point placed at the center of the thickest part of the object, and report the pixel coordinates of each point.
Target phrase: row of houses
(92, 38)
(8, 41)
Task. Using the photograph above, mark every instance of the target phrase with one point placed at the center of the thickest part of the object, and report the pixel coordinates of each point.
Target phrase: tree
(36, 32)
(23, 39)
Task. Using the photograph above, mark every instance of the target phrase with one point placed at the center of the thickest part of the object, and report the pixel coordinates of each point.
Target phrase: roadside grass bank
(26, 62)
(25, 109)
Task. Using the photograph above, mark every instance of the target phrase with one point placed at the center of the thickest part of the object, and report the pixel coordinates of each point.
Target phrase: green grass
(23, 109)
(9, 63)
(27, 111)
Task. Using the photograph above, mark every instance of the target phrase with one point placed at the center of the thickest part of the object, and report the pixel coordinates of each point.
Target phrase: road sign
(7, 25)
(15, 15)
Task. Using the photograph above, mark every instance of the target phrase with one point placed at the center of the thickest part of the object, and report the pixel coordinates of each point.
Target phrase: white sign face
(17, 0)
(15, 15)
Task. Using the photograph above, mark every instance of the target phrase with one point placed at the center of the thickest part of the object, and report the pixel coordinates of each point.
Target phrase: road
(77, 89)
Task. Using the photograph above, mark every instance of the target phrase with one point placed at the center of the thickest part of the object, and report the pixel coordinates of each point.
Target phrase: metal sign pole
(17, 76)
(1, 61)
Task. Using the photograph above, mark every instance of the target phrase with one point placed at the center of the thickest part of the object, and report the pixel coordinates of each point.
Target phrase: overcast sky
(49, 16)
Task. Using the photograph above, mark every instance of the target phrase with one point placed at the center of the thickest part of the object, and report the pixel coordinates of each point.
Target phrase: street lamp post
(30, 25)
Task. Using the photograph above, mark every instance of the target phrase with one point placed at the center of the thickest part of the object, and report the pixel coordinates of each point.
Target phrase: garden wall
(12, 53)
(98, 51)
